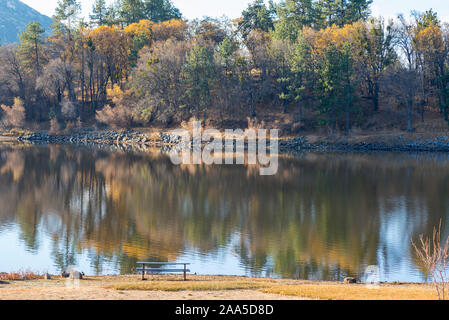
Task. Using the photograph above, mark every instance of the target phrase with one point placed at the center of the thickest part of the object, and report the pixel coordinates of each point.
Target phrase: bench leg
(143, 272)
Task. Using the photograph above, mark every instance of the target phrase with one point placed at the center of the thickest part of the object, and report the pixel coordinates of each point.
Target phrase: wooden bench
(162, 270)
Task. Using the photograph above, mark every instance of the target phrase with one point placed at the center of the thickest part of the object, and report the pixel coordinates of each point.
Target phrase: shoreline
(163, 287)
(141, 141)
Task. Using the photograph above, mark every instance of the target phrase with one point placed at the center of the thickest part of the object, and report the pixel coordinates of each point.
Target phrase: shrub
(68, 110)
(54, 126)
(118, 117)
(14, 117)
(434, 255)
(21, 275)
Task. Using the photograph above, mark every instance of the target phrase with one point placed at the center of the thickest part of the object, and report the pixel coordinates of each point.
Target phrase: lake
(322, 217)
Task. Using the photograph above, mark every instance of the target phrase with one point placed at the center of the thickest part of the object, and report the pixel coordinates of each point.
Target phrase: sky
(232, 8)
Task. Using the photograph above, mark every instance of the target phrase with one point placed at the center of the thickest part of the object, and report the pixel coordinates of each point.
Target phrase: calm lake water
(323, 216)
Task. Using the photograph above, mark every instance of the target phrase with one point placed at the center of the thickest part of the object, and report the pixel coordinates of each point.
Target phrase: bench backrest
(163, 263)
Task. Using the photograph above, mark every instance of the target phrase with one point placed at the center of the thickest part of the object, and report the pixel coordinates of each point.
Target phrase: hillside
(14, 16)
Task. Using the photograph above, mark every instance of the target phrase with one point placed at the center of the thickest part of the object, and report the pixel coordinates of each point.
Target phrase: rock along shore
(135, 140)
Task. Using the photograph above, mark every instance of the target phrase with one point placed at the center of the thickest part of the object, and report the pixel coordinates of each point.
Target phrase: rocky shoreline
(135, 140)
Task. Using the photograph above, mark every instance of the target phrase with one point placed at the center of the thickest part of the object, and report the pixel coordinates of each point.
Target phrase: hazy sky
(232, 8)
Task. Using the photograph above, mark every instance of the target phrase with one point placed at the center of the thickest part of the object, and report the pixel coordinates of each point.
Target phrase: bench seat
(148, 270)
(158, 267)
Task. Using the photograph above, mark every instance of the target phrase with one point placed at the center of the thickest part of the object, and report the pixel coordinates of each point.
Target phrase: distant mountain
(14, 16)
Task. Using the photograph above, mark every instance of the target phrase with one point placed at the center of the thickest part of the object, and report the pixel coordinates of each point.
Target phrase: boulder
(350, 280)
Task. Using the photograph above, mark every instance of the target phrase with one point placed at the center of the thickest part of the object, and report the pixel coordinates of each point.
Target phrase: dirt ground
(172, 287)
(97, 288)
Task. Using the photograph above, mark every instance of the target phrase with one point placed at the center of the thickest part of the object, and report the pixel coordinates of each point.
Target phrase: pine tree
(293, 15)
(342, 12)
(30, 46)
(199, 76)
(337, 88)
(161, 10)
(66, 15)
(132, 11)
(257, 16)
(99, 12)
(301, 79)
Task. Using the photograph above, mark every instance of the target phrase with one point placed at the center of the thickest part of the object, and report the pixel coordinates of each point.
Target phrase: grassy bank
(207, 287)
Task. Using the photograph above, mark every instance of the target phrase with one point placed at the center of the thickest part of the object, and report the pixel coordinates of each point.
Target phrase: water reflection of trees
(320, 217)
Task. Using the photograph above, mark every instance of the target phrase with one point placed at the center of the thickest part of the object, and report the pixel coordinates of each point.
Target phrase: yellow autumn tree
(171, 29)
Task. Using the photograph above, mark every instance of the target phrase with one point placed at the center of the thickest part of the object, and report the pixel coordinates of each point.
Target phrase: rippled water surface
(321, 217)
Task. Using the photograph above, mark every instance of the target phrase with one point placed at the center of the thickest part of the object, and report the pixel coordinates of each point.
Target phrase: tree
(172, 29)
(210, 30)
(161, 10)
(342, 12)
(404, 80)
(336, 84)
(262, 84)
(141, 35)
(112, 48)
(31, 41)
(226, 60)
(132, 11)
(279, 51)
(13, 74)
(14, 116)
(302, 74)
(199, 77)
(99, 12)
(66, 15)
(113, 15)
(293, 15)
(318, 14)
(257, 16)
(403, 84)
(52, 82)
(376, 42)
(157, 80)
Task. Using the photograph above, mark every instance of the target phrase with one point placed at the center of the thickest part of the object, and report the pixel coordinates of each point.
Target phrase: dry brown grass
(20, 276)
(354, 292)
(205, 287)
(189, 285)
(14, 132)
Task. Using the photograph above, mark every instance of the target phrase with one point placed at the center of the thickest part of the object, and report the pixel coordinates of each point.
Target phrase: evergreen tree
(256, 17)
(337, 88)
(300, 62)
(293, 15)
(161, 10)
(199, 77)
(30, 46)
(132, 11)
(342, 12)
(99, 12)
(66, 14)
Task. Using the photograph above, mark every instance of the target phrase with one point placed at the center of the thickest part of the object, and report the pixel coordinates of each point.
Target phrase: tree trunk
(253, 106)
(36, 52)
(376, 97)
(409, 113)
(348, 107)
